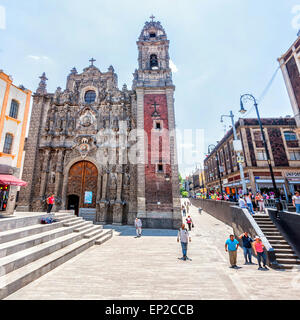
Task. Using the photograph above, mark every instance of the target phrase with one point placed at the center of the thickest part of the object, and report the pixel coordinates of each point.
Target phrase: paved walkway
(148, 268)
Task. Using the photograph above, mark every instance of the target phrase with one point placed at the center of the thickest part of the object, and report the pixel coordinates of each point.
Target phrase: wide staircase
(285, 255)
(29, 249)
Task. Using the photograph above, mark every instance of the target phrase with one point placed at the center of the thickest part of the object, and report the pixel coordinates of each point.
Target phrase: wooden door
(82, 181)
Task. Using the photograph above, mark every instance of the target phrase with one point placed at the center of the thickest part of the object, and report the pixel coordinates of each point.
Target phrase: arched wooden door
(82, 181)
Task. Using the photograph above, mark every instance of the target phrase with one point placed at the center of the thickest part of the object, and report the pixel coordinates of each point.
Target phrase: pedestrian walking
(184, 237)
(189, 222)
(260, 200)
(242, 203)
(183, 211)
(50, 203)
(258, 248)
(248, 199)
(296, 201)
(247, 247)
(138, 227)
(231, 246)
(188, 208)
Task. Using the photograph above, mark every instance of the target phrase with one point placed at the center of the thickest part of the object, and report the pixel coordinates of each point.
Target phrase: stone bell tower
(157, 169)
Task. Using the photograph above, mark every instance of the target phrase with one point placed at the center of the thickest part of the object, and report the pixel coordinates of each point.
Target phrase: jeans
(184, 246)
(250, 207)
(297, 208)
(261, 255)
(49, 207)
(247, 253)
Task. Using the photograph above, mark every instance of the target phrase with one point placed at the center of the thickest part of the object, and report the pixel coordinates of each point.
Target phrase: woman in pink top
(258, 248)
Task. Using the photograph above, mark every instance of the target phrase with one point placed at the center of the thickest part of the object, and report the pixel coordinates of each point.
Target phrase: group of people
(252, 203)
(232, 244)
(185, 208)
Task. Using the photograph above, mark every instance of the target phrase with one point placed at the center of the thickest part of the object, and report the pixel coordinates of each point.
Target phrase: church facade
(108, 154)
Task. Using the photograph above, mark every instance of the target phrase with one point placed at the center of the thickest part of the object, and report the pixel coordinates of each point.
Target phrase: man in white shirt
(296, 201)
(138, 227)
(184, 237)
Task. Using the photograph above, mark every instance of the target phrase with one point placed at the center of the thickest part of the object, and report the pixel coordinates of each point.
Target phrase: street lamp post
(251, 97)
(218, 167)
(231, 115)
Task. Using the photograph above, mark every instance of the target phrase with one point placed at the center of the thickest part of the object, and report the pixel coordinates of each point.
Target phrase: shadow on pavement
(130, 231)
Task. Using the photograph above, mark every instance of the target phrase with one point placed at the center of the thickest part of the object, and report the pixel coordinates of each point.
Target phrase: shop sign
(292, 174)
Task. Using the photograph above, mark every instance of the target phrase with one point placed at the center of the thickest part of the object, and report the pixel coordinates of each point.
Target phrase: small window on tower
(152, 35)
(157, 125)
(153, 61)
(160, 168)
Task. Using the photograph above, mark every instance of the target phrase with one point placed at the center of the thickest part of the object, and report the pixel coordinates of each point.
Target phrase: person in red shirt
(259, 251)
(50, 202)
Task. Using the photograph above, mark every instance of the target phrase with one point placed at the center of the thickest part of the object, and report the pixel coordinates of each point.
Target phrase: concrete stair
(285, 255)
(28, 252)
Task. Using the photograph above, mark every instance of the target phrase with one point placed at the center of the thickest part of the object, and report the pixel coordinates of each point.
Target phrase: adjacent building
(283, 144)
(15, 105)
(290, 67)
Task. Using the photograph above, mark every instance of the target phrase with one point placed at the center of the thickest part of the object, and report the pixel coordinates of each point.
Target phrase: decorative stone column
(118, 206)
(103, 202)
(44, 176)
(58, 180)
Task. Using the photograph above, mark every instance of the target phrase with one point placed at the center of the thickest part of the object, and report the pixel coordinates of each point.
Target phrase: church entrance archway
(73, 203)
(82, 185)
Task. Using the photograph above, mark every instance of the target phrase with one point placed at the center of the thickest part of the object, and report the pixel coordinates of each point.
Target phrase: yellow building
(14, 104)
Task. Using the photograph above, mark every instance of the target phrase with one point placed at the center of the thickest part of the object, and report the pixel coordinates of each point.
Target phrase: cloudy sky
(219, 50)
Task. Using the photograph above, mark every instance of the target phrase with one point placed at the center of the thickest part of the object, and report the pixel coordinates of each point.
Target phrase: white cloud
(38, 57)
(173, 66)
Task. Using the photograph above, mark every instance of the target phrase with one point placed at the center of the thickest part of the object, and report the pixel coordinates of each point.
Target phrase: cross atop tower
(152, 17)
(92, 61)
(155, 113)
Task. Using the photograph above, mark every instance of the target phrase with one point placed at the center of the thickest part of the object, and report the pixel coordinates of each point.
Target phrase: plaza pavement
(126, 267)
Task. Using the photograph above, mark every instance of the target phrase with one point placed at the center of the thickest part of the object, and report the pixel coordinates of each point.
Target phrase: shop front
(293, 180)
(8, 190)
(266, 185)
(235, 188)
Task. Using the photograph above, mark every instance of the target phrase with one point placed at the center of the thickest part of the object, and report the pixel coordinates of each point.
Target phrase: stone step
(272, 233)
(286, 256)
(280, 237)
(73, 223)
(21, 277)
(287, 266)
(267, 226)
(285, 245)
(105, 236)
(13, 234)
(287, 251)
(84, 226)
(22, 258)
(92, 232)
(288, 261)
(12, 247)
(79, 224)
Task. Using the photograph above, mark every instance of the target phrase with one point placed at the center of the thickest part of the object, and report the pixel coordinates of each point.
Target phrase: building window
(8, 143)
(157, 125)
(152, 35)
(290, 136)
(153, 61)
(294, 155)
(160, 168)
(261, 155)
(90, 96)
(14, 109)
(257, 136)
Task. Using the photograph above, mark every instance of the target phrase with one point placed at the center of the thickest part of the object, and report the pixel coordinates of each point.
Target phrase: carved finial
(124, 87)
(111, 68)
(152, 17)
(74, 71)
(42, 85)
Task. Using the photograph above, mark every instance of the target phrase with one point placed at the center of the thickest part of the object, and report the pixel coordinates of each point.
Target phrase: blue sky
(221, 48)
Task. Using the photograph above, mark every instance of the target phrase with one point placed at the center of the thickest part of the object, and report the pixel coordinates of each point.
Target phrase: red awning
(11, 180)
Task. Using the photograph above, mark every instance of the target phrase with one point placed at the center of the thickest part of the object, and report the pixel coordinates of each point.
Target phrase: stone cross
(92, 61)
(152, 17)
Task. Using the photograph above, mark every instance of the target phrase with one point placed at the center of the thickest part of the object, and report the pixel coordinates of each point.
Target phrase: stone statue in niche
(87, 119)
(52, 177)
(127, 176)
